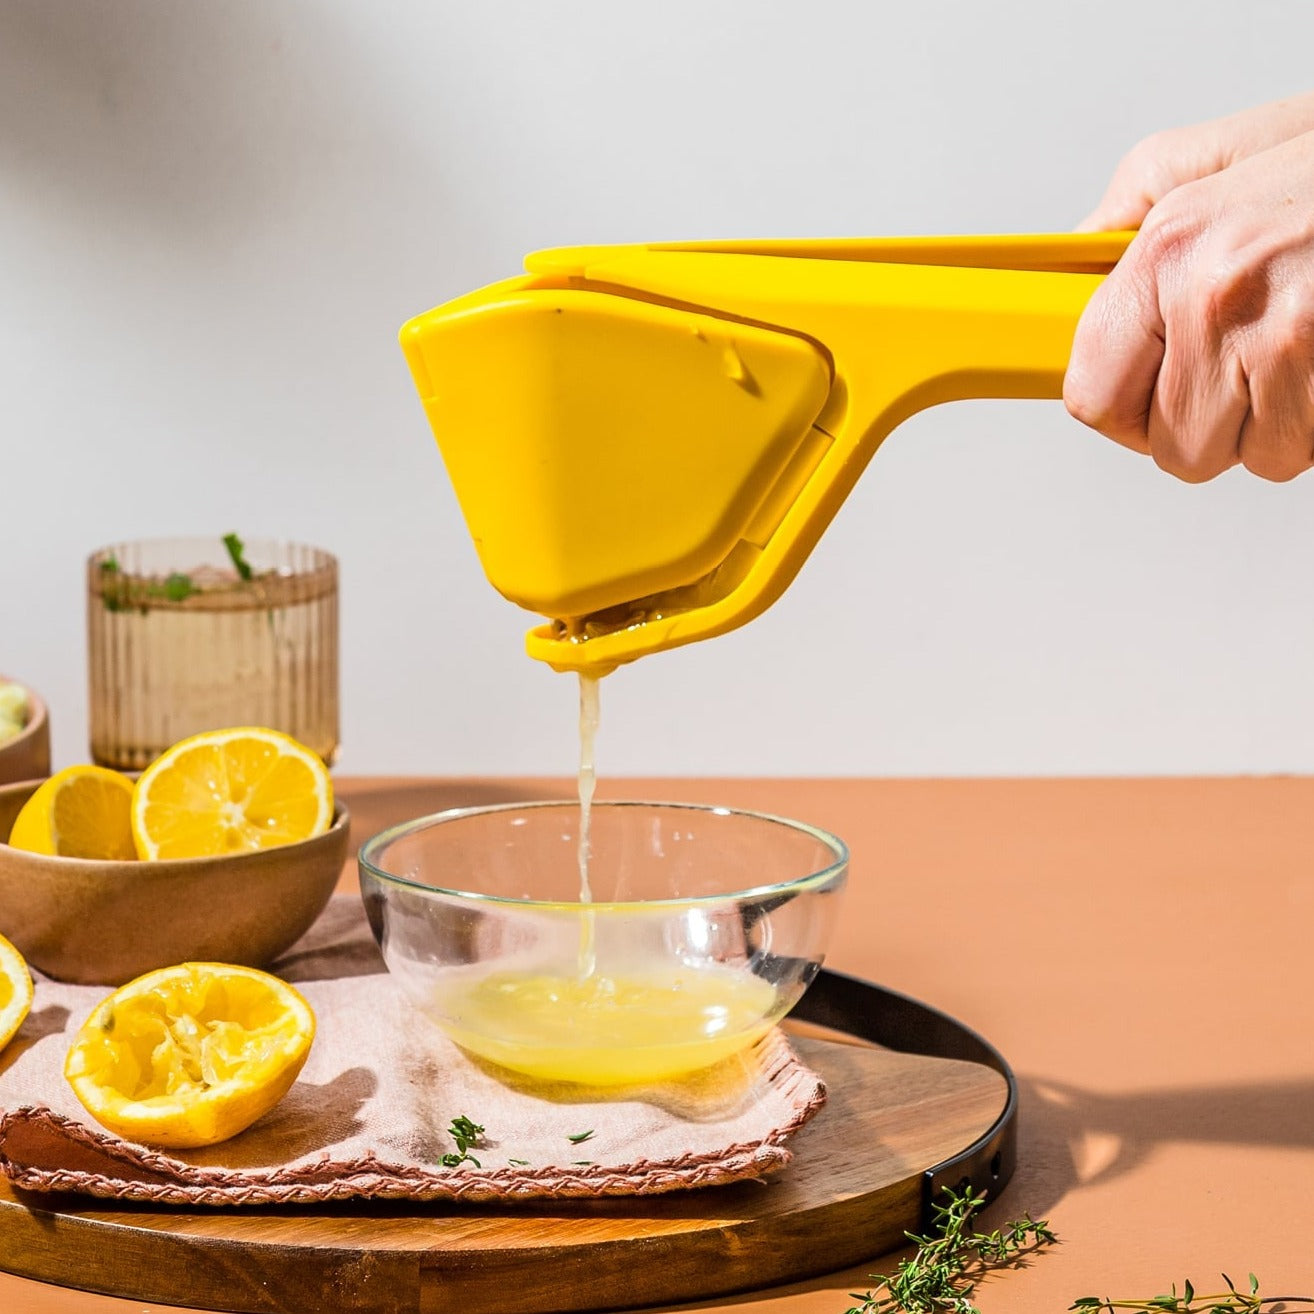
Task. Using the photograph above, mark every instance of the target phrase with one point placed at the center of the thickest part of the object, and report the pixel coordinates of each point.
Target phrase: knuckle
(1099, 408)
(1102, 409)
(1190, 463)
(1291, 333)
(1167, 160)
(1273, 460)
(1170, 231)
(1081, 399)
(1229, 291)
(1147, 157)
(1086, 393)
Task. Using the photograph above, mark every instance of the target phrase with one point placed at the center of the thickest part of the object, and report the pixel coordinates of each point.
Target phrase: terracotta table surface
(1138, 949)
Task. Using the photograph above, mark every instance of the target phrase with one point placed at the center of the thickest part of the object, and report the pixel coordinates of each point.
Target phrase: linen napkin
(370, 1112)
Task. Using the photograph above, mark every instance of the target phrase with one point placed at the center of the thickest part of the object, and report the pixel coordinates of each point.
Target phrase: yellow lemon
(15, 991)
(81, 812)
(230, 791)
(190, 1055)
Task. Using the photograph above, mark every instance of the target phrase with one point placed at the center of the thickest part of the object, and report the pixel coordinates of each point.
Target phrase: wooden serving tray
(856, 1184)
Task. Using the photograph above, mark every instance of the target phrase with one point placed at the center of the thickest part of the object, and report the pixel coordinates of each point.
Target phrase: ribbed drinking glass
(193, 634)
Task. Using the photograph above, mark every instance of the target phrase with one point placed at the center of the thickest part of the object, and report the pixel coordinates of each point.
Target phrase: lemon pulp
(81, 812)
(185, 1041)
(15, 991)
(190, 1055)
(230, 791)
(609, 1029)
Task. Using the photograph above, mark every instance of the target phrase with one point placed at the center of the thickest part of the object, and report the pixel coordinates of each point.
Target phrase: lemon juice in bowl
(705, 925)
(631, 1026)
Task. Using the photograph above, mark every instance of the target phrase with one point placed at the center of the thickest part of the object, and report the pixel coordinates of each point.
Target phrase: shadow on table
(1072, 1137)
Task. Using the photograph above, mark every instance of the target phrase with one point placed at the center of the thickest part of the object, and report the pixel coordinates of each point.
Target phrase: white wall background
(215, 216)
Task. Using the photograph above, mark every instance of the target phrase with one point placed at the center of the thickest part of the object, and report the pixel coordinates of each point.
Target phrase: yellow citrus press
(647, 441)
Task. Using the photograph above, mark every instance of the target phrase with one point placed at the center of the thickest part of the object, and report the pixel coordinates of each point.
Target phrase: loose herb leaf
(465, 1133)
(236, 548)
(943, 1272)
(119, 590)
(111, 587)
(455, 1160)
(519, 1163)
(580, 1137)
(179, 587)
(1230, 1301)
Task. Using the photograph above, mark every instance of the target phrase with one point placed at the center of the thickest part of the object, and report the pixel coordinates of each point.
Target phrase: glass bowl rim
(813, 880)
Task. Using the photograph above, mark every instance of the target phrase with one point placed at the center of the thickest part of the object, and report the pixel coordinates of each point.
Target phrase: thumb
(1153, 168)
(1115, 213)
(1159, 163)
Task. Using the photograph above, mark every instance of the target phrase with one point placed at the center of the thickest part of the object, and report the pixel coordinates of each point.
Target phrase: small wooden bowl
(27, 756)
(104, 923)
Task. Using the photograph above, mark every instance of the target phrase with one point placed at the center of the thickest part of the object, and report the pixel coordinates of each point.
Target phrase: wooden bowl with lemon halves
(103, 923)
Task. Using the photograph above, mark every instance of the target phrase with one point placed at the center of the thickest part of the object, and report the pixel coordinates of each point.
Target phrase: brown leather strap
(886, 1017)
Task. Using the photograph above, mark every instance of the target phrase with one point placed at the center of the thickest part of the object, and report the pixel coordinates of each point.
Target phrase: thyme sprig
(943, 1271)
(1230, 1301)
(236, 554)
(465, 1133)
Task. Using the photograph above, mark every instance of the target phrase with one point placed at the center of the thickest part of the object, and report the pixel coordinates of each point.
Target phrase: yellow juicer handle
(648, 441)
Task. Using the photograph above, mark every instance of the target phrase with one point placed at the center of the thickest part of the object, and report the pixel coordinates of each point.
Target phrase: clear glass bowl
(706, 925)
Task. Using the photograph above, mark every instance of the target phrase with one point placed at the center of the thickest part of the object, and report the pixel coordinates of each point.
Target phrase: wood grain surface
(854, 1181)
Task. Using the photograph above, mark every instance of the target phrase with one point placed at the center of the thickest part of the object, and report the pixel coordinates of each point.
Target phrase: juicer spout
(647, 442)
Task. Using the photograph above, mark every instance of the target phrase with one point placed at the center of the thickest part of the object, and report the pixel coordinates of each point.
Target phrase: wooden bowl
(103, 923)
(27, 756)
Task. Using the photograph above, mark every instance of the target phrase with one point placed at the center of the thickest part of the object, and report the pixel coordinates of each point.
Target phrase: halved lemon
(81, 812)
(190, 1055)
(15, 991)
(230, 791)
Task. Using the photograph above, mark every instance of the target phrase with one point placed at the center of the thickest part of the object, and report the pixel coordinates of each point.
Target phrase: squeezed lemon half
(81, 812)
(230, 791)
(15, 991)
(190, 1055)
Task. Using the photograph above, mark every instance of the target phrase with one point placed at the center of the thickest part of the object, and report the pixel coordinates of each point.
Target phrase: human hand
(1199, 346)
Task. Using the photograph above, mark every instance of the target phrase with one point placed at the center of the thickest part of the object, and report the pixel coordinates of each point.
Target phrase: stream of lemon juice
(590, 714)
(643, 1023)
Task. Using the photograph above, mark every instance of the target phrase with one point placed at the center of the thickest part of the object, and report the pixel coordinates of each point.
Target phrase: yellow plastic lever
(647, 442)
